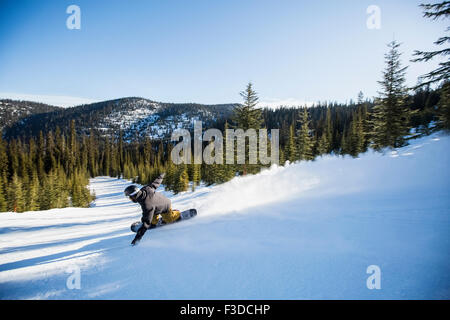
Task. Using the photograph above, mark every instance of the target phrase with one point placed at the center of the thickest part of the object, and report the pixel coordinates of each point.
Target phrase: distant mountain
(12, 111)
(137, 117)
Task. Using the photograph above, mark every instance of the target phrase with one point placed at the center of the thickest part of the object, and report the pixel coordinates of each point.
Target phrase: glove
(139, 235)
(135, 241)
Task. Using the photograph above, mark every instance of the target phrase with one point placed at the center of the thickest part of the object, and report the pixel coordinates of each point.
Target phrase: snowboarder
(156, 208)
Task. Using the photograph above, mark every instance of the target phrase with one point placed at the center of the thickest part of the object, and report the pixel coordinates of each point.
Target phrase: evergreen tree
(328, 132)
(61, 186)
(3, 176)
(84, 153)
(363, 109)
(49, 159)
(32, 199)
(3, 201)
(444, 107)
(170, 177)
(248, 116)
(291, 148)
(40, 154)
(121, 152)
(13, 158)
(4, 162)
(80, 195)
(184, 179)
(181, 179)
(72, 150)
(114, 169)
(228, 169)
(304, 140)
(323, 144)
(160, 154)
(282, 157)
(356, 135)
(107, 158)
(15, 195)
(48, 193)
(60, 145)
(391, 114)
(212, 173)
(195, 176)
(360, 100)
(442, 73)
(147, 150)
(92, 155)
(344, 146)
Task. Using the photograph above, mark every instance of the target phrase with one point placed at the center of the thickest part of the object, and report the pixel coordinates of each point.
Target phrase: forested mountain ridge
(12, 111)
(136, 117)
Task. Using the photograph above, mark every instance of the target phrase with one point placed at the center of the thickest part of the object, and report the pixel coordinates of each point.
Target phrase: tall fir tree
(441, 74)
(323, 144)
(107, 157)
(121, 152)
(390, 116)
(304, 140)
(195, 176)
(32, 191)
(291, 147)
(3, 200)
(327, 135)
(49, 159)
(344, 149)
(228, 169)
(248, 116)
(444, 107)
(3, 176)
(356, 136)
(41, 152)
(16, 195)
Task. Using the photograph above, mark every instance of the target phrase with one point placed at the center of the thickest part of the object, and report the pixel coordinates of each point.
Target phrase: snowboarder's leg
(156, 221)
(171, 216)
(164, 218)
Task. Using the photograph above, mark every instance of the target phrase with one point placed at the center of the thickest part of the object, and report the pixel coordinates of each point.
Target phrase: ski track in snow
(306, 230)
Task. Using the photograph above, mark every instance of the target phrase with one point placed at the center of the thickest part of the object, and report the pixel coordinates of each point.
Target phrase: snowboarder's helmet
(131, 191)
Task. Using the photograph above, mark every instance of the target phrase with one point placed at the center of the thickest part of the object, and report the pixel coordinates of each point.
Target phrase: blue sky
(206, 51)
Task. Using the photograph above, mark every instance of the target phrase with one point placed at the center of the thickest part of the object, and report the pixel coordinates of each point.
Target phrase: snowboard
(184, 215)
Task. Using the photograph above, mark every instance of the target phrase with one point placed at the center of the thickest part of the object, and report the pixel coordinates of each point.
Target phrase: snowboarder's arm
(146, 219)
(139, 235)
(155, 184)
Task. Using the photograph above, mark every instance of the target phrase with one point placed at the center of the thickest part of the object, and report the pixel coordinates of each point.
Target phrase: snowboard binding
(184, 215)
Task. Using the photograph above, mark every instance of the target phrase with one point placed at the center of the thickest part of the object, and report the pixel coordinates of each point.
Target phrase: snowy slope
(307, 230)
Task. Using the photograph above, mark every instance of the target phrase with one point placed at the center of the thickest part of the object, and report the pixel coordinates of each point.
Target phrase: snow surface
(306, 230)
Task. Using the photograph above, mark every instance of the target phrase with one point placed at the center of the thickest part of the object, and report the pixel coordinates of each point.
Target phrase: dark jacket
(152, 202)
